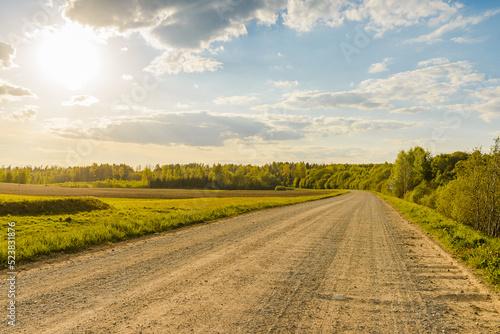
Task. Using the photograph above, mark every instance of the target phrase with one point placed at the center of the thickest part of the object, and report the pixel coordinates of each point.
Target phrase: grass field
(472, 247)
(37, 190)
(71, 224)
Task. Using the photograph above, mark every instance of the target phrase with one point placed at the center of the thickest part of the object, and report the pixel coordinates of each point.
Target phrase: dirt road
(348, 264)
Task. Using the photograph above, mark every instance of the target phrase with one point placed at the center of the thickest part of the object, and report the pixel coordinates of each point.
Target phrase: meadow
(46, 225)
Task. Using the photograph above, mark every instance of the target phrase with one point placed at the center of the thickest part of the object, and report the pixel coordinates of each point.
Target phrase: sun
(69, 56)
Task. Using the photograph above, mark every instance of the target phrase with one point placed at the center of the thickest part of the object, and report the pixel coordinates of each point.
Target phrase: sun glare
(69, 56)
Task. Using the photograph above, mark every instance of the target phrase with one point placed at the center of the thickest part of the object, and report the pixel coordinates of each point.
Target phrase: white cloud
(184, 29)
(10, 92)
(380, 67)
(433, 61)
(468, 40)
(81, 101)
(489, 103)
(216, 50)
(175, 62)
(235, 99)
(175, 24)
(385, 15)
(427, 85)
(410, 110)
(430, 84)
(345, 125)
(304, 15)
(286, 84)
(27, 114)
(307, 100)
(7, 54)
(458, 22)
(127, 77)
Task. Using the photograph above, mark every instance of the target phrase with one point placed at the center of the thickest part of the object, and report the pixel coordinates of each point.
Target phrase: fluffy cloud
(80, 100)
(379, 16)
(426, 85)
(380, 67)
(184, 28)
(304, 15)
(193, 24)
(202, 128)
(176, 24)
(24, 115)
(9, 92)
(489, 103)
(315, 100)
(385, 15)
(344, 125)
(435, 82)
(174, 62)
(7, 54)
(235, 100)
(286, 84)
(127, 77)
(433, 61)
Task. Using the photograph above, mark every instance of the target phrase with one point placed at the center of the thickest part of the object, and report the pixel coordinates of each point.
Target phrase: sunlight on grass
(121, 219)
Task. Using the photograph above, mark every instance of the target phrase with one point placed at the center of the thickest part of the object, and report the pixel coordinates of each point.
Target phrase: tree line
(463, 186)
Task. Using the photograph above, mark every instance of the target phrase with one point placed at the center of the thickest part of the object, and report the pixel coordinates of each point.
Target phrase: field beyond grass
(472, 247)
(110, 220)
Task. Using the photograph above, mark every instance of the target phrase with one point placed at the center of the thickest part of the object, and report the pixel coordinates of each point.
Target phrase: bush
(280, 188)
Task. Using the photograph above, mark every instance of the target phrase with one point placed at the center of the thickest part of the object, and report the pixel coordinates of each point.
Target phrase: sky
(245, 81)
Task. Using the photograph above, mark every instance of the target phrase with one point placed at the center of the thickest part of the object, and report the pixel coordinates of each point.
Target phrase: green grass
(123, 219)
(54, 206)
(471, 246)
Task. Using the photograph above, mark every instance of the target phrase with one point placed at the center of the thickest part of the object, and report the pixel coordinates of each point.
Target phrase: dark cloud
(180, 24)
(193, 129)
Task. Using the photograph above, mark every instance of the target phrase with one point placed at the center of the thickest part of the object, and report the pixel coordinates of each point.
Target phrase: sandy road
(340, 265)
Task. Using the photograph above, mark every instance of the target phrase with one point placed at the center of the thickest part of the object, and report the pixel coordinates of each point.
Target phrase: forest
(464, 186)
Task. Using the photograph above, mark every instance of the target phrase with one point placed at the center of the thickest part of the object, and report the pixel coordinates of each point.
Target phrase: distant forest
(463, 186)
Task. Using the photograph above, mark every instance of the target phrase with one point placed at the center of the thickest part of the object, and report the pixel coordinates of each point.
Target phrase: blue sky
(232, 81)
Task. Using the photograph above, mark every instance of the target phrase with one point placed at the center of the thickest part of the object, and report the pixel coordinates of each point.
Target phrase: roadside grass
(123, 219)
(472, 247)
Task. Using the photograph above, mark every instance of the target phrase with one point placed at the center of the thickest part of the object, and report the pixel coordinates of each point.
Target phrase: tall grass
(472, 247)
